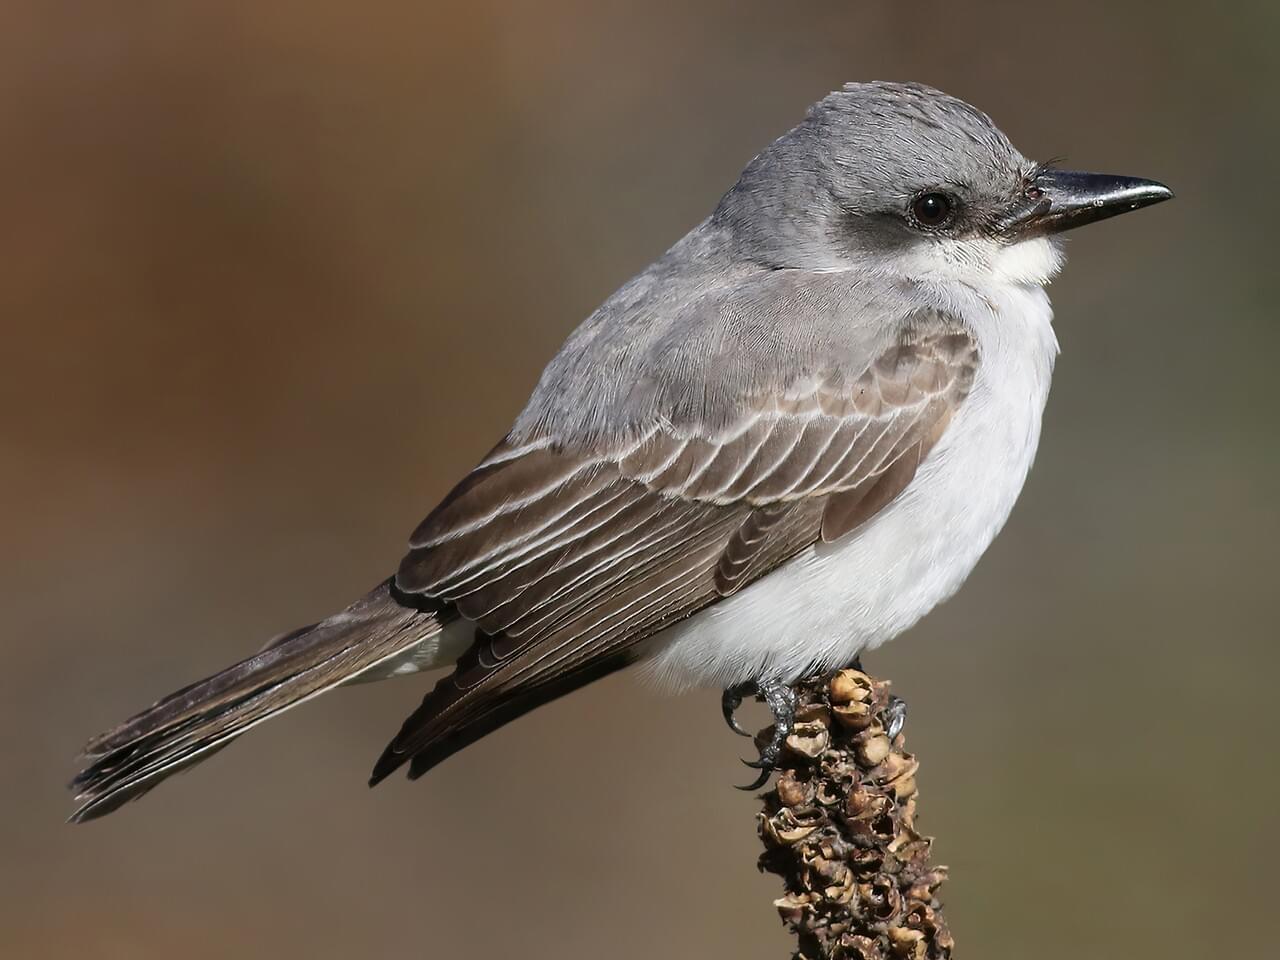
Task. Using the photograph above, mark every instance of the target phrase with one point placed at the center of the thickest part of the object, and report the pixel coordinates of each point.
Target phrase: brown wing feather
(566, 558)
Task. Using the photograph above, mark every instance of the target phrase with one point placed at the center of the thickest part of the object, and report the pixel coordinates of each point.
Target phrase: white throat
(976, 262)
(1031, 262)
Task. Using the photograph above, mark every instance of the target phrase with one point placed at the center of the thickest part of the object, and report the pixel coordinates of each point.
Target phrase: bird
(777, 447)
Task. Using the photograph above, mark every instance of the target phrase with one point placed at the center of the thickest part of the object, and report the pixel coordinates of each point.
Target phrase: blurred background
(274, 273)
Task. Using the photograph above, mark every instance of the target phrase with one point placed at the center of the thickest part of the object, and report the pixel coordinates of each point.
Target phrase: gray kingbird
(779, 445)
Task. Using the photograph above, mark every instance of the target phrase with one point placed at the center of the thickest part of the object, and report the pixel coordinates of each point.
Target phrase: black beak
(1057, 200)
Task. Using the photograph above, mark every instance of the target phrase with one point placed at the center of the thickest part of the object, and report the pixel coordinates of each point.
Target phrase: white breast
(834, 600)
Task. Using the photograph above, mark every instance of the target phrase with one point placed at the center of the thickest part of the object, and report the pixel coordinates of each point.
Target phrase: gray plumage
(714, 320)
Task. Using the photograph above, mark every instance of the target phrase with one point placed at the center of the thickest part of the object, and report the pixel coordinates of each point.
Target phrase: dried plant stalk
(839, 828)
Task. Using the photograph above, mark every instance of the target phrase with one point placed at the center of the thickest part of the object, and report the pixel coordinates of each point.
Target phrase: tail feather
(189, 725)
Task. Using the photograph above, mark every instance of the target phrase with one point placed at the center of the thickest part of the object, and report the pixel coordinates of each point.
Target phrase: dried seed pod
(856, 948)
(827, 794)
(833, 878)
(791, 792)
(839, 828)
(907, 943)
(809, 739)
(896, 766)
(816, 712)
(788, 826)
(854, 715)
(851, 686)
(791, 908)
(874, 749)
(904, 788)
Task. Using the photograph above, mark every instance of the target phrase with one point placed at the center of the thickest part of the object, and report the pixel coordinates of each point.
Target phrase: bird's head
(903, 179)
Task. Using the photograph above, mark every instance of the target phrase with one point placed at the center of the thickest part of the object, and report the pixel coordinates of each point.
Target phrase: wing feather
(568, 554)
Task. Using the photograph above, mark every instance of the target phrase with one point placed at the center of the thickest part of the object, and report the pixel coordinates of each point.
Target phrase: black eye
(932, 209)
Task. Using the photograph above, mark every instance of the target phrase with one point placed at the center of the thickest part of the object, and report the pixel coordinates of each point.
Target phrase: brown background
(273, 273)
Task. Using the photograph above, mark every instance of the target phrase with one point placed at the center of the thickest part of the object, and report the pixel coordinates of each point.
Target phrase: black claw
(732, 699)
(896, 712)
(781, 700)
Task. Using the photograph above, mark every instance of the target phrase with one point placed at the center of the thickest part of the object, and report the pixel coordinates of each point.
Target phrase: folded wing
(567, 555)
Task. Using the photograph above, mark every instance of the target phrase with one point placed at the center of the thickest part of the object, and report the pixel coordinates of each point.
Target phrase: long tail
(189, 725)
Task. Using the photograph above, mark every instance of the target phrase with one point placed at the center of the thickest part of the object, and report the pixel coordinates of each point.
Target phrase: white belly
(835, 599)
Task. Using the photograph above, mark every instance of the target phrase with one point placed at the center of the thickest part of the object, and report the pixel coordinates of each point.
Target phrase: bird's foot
(781, 700)
(896, 714)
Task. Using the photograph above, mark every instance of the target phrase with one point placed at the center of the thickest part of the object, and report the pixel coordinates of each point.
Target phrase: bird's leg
(732, 699)
(781, 700)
